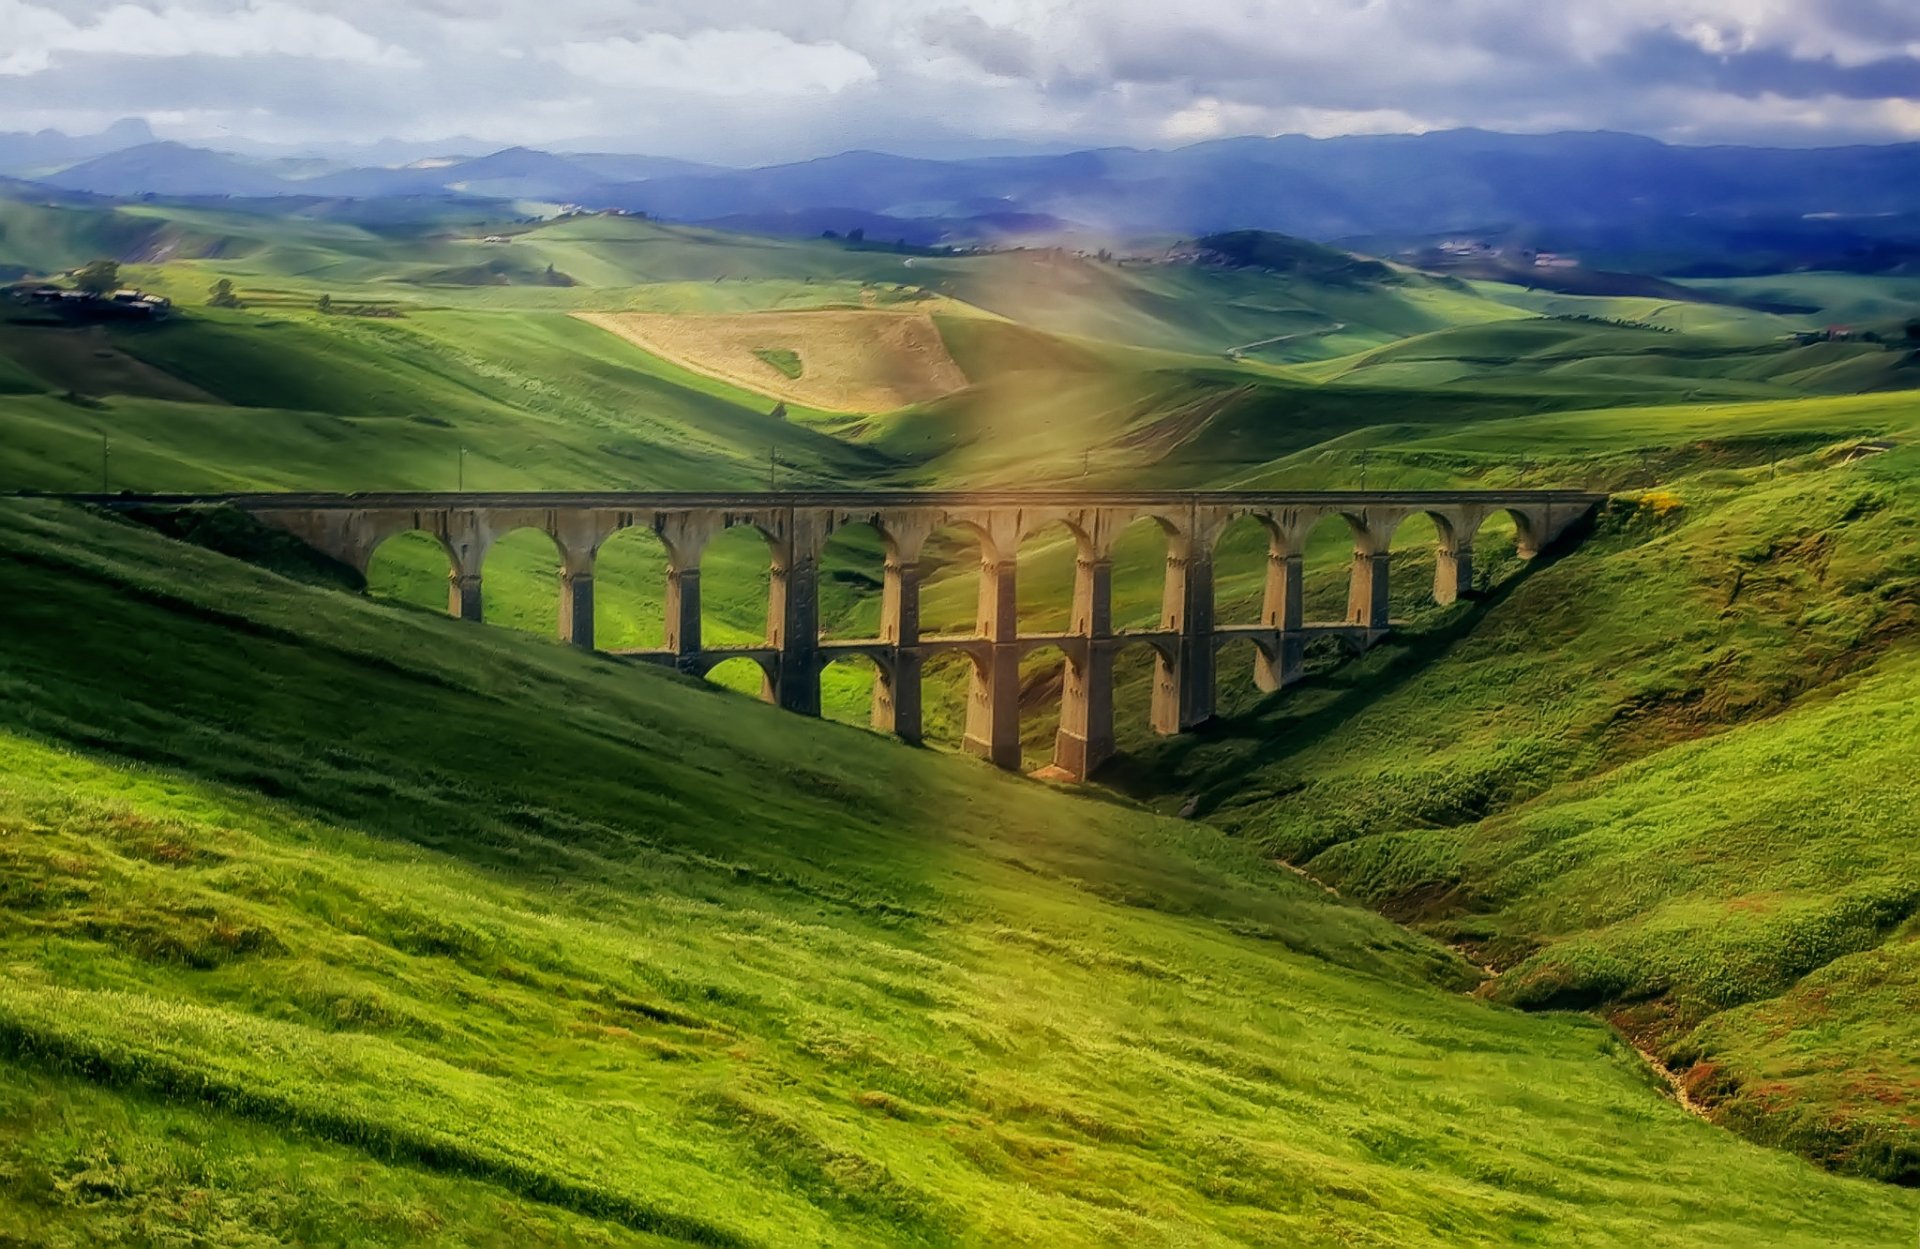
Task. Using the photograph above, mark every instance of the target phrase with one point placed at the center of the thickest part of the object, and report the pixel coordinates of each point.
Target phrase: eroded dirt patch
(839, 360)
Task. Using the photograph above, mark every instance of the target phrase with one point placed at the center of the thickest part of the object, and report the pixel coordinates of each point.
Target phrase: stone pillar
(793, 623)
(683, 614)
(1452, 573)
(1284, 610)
(900, 603)
(463, 595)
(576, 609)
(993, 707)
(1085, 740)
(993, 695)
(1367, 593)
(998, 619)
(1093, 597)
(1183, 685)
(896, 699)
(896, 693)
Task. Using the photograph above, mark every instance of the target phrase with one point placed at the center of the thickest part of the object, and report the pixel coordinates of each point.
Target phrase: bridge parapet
(797, 525)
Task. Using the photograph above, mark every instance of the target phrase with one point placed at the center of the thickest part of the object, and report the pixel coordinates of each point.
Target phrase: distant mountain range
(25, 152)
(1582, 185)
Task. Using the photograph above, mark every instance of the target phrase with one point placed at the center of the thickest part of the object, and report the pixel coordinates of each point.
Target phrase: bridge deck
(858, 499)
(836, 647)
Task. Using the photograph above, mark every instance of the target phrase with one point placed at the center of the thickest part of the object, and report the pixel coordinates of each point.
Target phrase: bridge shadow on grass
(526, 758)
(1196, 765)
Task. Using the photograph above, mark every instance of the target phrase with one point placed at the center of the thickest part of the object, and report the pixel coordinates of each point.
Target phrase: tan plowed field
(850, 361)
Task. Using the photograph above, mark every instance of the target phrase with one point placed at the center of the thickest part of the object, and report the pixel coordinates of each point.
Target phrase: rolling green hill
(1626, 361)
(1659, 779)
(329, 919)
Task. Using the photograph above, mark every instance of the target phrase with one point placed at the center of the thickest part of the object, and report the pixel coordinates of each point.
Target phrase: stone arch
(1329, 543)
(852, 562)
(752, 675)
(952, 557)
(1246, 667)
(418, 565)
(1053, 556)
(631, 566)
(1500, 540)
(1137, 551)
(522, 576)
(1530, 530)
(736, 582)
(853, 683)
(1133, 667)
(1245, 551)
(948, 680)
(1445, 525)
(1429, 564)
(1142, 664)
(1155, 644)
(1044, 673)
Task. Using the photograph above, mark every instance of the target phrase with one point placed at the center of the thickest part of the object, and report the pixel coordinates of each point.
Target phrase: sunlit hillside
(1582, 910)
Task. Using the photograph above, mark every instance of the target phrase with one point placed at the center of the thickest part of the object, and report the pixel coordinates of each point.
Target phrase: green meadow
(490, 935)
(330, 919)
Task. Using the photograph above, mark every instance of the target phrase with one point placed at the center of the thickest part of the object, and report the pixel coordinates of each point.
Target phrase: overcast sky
(768, 80)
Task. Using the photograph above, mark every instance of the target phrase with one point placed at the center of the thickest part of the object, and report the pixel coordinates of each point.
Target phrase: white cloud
(39, 36)
(778, 79)
(718, 62)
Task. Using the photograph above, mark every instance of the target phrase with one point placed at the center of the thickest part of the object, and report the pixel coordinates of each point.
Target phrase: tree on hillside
(99, 277)
(326, 303)
(222, 296)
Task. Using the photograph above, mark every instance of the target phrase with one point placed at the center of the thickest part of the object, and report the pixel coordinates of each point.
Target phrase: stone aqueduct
(796, 526)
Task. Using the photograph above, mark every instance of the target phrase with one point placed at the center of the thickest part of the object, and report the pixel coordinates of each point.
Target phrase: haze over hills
(1570, 185)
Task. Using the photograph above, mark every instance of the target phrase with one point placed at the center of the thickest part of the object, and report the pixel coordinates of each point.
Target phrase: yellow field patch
(848, 360)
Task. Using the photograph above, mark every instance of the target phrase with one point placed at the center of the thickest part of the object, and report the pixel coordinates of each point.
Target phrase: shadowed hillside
(525, 939)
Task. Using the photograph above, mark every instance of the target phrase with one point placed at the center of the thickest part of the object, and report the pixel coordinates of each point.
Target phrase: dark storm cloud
(781, 79)
(996, 50)
(1661, 57)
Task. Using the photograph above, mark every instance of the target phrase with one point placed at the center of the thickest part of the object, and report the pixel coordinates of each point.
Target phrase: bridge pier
(576, 609)
(793, 624)
(683, 615)
(1183, 676)
(1085, 738)
(463, 596)
(896, 698)
(1283, 607)
(1368, 590)
(993, 694)
(897, 692)
(1452, 573)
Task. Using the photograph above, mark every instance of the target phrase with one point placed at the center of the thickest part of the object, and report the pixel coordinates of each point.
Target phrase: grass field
(646, 962)
(507, 954)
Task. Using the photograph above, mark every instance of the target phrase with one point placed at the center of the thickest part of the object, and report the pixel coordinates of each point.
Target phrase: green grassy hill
(1626, 361)
(326, 919)
(1660, 779)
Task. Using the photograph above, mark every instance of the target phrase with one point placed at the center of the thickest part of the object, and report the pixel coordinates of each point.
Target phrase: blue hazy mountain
(23, 152)
(1345, 187)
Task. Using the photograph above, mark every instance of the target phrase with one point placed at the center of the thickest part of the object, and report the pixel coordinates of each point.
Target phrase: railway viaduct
(796, 525)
